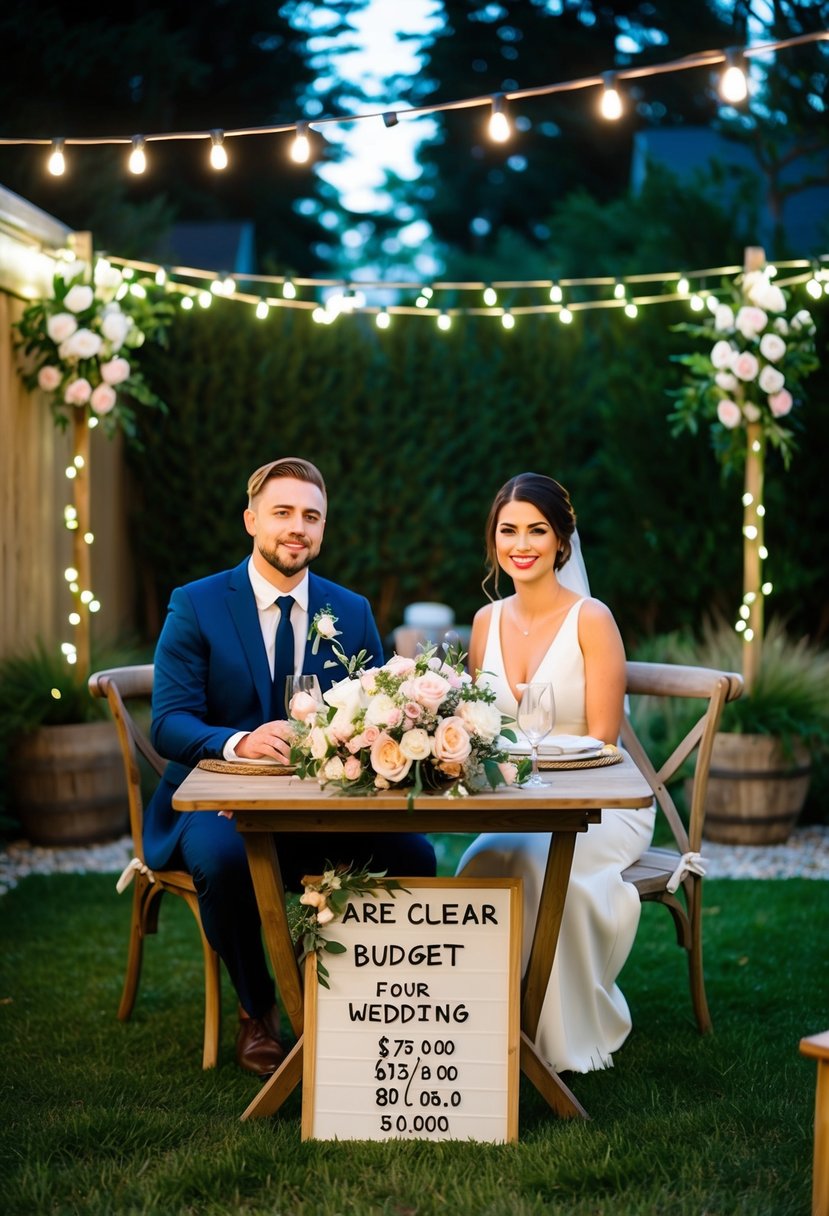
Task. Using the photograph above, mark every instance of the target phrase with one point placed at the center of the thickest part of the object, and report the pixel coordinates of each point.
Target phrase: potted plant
(748, 385)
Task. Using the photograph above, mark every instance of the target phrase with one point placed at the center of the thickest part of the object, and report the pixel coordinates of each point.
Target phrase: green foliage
(41, 689)
(100, 1117)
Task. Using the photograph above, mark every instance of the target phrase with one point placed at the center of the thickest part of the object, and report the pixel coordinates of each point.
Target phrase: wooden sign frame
(418, 1036)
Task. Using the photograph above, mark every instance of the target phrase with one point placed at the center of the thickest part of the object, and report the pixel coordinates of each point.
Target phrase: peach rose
(102, 399)
(115, 371)
(509, 771)
(387, 759)
(352, 768)
(746, 366)
(451, 742)
(729, 414)
(399, 665)
(303, 707)
(430, 690)
(77, 392)
(781, 403)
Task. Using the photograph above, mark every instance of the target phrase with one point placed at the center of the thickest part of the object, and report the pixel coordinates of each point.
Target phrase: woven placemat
(608, 755)
(239, 769)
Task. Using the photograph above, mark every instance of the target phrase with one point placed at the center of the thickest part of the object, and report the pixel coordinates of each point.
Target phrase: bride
(551, 630)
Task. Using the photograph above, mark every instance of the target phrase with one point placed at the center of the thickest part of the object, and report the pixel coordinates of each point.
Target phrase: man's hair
(288, 466)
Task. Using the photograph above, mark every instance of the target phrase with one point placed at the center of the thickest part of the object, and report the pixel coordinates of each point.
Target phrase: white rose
(333, 769)
(115, 371)
(751, 412)
(318, 742)
(723, 318)
(107, 276)
(61, 326)
(72, 270)
(726, 381)
(347, 696)
(326, 627)
(416, 744)
(83, 344)
(751, 321)
(381, 710)
(114, 326)
(79, 298)
(802, 319)
(771, 380)
(781, 326)
(722, 354)
(772, 347)
(481, 719)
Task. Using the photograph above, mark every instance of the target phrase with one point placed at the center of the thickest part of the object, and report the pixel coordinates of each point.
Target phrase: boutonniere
(324, 625)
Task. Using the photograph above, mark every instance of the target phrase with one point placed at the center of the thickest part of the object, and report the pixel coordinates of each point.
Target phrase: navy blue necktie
(283, 656)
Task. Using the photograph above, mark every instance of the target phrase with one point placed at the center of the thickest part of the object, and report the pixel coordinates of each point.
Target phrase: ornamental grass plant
(103, 1117)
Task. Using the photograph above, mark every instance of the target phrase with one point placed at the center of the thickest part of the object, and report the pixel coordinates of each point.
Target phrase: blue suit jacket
(212, 678)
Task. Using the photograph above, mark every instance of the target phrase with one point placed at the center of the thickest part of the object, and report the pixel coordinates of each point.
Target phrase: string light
(619, 291)
(683, 286)
(57, 162)
(383, 320)
(218, 153)
(490, 297)
(444, 321)
(508, 320)
(565, 316)
(733, 84)
(631, 310)
(288, 290)
(499, 127)
(138, 159)
(301, 147)
(611, 102)
(697, 302)
(262, 310)
(556, 294)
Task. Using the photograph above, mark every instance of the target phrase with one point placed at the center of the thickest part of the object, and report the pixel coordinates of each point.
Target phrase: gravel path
(804, 855)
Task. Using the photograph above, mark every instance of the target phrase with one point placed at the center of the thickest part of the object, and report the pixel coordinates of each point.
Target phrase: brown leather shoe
(257, 1049)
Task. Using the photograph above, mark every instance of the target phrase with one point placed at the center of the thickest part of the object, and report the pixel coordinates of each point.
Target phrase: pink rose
(745, 366)
(750, 321)
(399, 665)
(102, 399)
(115, 371)
(48, 378)
(430, 690)
(729, 414)
(781, 403)
(451, 742)
(61, 326)
(509, 771)
(387, 760)
(352, 768)
(370, 735)
(303, 707)
(395, 716)
(412, 710)
(77, 392)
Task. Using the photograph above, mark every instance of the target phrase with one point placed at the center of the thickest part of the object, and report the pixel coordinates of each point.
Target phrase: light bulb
(490, 296)
(767, 588)
(422, 301)
(444, 321)
(186, 303)
(57, 162)
(499, 128)
(261, 310)
(697, 303)
(160, 277)
(288, 290)
(205, 299)
(619, 291)
(565, 316)
(301, 147)
(814, 289)
(733, 84)
(683, 286)
(218, 155)
(556, 294)
(631, 310)
(138, 159)
(508, 320)
(383, 320)
(611, 103)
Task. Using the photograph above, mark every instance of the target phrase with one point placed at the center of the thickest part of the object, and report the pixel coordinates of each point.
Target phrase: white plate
(558, 747)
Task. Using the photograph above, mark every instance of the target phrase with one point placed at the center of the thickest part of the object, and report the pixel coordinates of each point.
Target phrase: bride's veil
(573, 575)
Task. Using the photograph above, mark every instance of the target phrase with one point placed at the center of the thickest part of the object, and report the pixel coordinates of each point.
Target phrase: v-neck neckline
(517, 696)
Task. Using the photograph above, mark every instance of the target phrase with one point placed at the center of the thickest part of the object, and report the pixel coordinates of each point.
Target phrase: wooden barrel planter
(67, 784)
(755, 790)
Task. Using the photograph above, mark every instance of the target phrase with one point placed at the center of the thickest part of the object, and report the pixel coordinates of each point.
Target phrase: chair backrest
(119, 685)
(713, 689)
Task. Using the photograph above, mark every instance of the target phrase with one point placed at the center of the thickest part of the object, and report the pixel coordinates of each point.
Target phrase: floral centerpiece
(82, 342)
(760, 349)
(417, 723)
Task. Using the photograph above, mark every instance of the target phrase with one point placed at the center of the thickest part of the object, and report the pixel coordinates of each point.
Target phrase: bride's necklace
(544, 616)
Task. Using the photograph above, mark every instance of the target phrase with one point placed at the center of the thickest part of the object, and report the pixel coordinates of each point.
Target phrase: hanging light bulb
(813, 287)
(733, 83)
(301, 147)
(490, 296)
(444, 320)
(556, 294)
(619, 291)
(697, 303)
(186, 303)
(631, 310)
(138, 160)
(261, 310)
(218, 154)
(508, 320)
(383, 320)
(499, 128)
(160, 277)
(288, 290)
(611, 103)
(56, 163)
(565, 316)
(683, 286)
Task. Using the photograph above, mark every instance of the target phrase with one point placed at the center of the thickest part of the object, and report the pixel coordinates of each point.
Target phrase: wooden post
(817, 1046)
(754, 258)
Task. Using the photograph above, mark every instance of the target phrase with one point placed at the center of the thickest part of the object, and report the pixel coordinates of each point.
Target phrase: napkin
(557, 745)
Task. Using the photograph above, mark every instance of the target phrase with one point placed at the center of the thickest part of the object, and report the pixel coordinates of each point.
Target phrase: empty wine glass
(309, 684)
(536, 716)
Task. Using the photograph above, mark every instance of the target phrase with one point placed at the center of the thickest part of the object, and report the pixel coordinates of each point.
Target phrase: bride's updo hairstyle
(550, 499)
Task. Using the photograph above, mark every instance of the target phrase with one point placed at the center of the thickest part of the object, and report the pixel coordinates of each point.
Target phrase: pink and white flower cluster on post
(83, 338)
(415, 723)
(759, 352)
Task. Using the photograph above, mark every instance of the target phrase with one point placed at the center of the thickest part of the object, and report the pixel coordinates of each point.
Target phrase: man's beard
(288, 569)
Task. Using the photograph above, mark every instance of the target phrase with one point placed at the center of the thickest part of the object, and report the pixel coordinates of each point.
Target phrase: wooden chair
(661, 873)
(119, 685)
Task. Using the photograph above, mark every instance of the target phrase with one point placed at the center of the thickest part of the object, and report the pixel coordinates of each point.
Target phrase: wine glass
(536, 715)
(295, 684)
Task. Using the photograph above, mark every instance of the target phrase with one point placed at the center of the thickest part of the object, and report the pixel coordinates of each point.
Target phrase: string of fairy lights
(732, 63)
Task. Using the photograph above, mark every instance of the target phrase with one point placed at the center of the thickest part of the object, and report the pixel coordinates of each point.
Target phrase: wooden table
(568, 804)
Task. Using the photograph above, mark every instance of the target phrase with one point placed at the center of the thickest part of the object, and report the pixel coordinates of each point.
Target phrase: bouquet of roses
(418, 723)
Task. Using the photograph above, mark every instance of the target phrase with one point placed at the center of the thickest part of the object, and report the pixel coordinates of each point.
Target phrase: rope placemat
(608, 755)
(239, 769)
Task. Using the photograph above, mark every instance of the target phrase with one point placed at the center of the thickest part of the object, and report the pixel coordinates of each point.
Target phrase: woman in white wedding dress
(551, 630)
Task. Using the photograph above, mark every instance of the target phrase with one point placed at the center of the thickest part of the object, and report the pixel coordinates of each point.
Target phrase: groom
(226, 647)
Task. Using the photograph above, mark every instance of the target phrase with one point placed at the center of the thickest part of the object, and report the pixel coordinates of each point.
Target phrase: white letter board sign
(418, 1036)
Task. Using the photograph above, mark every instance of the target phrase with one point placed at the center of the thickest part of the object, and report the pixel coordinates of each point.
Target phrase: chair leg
(695, 971)
(135, 952)
(212, 992)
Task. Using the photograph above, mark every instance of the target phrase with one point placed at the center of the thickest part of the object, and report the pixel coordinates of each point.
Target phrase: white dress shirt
(266, 596)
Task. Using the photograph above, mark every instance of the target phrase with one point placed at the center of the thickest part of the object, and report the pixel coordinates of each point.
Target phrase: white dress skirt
(585, 1017)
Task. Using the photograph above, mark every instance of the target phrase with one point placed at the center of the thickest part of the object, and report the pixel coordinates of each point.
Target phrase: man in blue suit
(228, 643)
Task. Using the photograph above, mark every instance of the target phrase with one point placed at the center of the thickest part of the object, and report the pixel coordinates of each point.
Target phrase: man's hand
(270, 741)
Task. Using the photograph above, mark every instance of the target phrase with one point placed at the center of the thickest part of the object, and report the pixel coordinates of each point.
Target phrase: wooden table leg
(280, 1086)
(817, 1046)
(270, 896)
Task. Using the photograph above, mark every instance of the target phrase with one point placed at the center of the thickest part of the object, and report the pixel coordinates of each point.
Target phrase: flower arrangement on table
(325, 900)
(760, 349)
(83, 340)
(417, 723)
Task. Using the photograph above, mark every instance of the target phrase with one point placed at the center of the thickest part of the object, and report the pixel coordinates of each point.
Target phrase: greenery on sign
(82, 344)
(325, 900)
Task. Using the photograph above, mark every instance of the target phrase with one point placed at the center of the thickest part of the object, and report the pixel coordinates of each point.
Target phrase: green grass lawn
(100, 1117)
